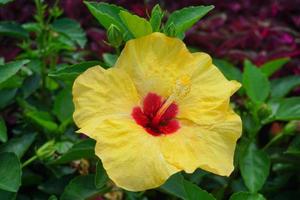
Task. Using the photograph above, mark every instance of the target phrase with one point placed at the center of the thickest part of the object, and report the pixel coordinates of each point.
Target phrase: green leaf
(31, 27)
(42, 119)
(35, 65)
(110, 59)
(63, 146)
(185, 18)
(5, 195)
(70, 73)
(156, 17)
(133, 195)
(10, 172)
(106, 14)
(19, 145)
(101, 177)
(255, 83)
(11, 83)
(294, 147)
(2, 2)
(80, 188)
(30, 85)
(136, 25)
(13, 29)
(246, 196)
(55, 185)
(254, 165)
(229, 70)
(51, 84)
(83, 149)
(282, 86)
(288, 109)
(63, 105)
(30, 178)
(10, 69)
(71, 29)
(250, 125)
(181, 188)
(272, 66)
(7, 97)
(3, 130)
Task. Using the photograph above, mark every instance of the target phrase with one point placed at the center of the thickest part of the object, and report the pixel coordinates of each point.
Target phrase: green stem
(30, 160)
(53, 60)
(274, 140)
(42, 39)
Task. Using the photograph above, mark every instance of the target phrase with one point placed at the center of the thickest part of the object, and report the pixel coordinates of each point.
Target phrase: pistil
(181, 89)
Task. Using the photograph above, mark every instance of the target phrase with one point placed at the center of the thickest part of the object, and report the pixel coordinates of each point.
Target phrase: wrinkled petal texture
(135, 159)
(100, 94)
(208, 100)
(155, 62)
(210, 148)
(131, 157)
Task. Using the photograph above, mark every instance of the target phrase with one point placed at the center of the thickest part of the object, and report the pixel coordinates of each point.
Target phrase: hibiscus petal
(156, 61)
(170, 127)
(139, 117)
(131, 157)
(170, 113)
(99, 94)
(152, 103)
(209, 96)
(211, 149)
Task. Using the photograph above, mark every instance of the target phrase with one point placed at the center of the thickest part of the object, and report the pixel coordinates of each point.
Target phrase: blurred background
(234, 30)
(36, 100)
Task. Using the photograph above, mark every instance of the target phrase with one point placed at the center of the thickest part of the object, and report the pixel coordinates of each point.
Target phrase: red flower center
(155, 119)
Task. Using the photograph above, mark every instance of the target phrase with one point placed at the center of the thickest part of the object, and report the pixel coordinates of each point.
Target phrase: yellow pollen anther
(181, 89)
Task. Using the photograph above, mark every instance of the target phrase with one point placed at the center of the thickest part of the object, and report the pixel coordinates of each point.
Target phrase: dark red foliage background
(234, 30)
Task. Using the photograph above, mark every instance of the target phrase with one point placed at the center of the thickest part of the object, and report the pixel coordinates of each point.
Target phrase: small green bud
(171, 30)
(291, 127)
(56, 12)
(264, 111)
(156, 17)
(46, 150)
(114, 36)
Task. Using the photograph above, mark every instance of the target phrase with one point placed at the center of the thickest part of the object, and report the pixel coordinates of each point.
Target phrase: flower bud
(56, 11)
(114, 35)
(291, 127)
(171, 30)
(46, 150)
(264, 111)
(156, 17)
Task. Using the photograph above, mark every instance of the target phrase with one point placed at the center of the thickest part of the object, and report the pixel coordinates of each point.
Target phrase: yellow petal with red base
(159, 110)
(210, 148)
(100, 94)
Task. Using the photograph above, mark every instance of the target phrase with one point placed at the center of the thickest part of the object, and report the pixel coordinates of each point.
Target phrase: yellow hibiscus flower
(159, 110)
